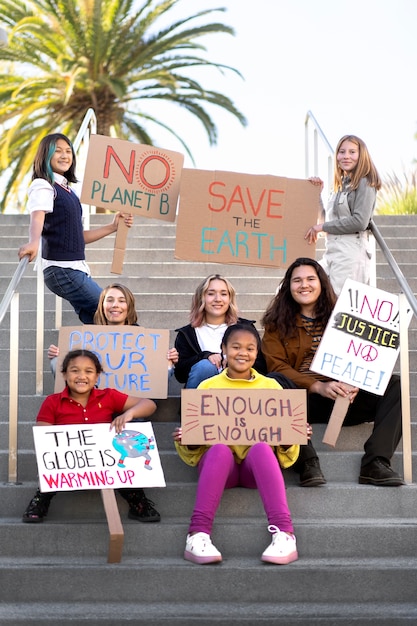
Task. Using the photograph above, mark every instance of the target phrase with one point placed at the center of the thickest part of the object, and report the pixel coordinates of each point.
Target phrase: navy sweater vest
(62, 235)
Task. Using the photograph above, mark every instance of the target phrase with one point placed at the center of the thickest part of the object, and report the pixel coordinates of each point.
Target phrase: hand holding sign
(131, 178)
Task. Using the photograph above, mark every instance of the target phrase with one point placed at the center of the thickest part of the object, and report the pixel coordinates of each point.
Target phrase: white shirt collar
(61, 180)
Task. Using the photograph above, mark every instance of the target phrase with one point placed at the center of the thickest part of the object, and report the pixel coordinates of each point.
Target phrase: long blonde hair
(198, 313)
(131, 317)
(364, 168)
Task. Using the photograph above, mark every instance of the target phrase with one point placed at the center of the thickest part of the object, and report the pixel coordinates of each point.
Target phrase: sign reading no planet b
(133, 358)
(95, 457)
(361, 342)
(243, 416)
(132, 178)
(226, 217)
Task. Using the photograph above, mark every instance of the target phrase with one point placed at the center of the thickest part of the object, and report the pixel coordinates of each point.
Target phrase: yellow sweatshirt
(286, 456)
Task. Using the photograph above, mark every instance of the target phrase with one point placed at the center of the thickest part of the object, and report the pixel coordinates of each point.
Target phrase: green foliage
(398, 196)
(115, 56)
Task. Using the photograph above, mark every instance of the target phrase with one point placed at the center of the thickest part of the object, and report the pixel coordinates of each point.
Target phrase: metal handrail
(310, 116)
(90, 119)
(394, 266)
(317, 133)
(11, 299)
(7, 298)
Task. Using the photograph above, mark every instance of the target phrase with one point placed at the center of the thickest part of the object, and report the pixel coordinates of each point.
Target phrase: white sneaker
(199, 549)
(282, 549)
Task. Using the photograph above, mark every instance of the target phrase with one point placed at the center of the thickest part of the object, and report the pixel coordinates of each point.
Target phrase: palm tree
(66, 56)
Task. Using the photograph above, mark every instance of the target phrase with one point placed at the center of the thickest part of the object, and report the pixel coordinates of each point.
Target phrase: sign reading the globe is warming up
(82, 456)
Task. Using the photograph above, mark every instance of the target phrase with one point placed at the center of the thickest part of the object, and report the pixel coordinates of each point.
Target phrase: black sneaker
(311, 474)
(380, 473)
(38, 507)
(144, 511)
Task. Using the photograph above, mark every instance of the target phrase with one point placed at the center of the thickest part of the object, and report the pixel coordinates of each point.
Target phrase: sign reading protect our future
(133, 358)
(361, 341)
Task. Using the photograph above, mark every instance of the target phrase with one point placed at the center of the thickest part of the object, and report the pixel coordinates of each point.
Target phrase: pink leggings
(218, 471)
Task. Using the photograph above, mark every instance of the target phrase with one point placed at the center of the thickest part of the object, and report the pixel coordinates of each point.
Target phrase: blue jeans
(77, 287)
(200, 371)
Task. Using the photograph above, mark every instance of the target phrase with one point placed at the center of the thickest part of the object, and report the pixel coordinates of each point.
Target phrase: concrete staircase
(357, 544)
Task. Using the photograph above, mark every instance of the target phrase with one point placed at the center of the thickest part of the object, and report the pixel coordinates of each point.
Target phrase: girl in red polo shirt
(81, 402)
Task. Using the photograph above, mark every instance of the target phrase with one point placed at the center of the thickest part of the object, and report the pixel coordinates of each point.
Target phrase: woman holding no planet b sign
(56, 219)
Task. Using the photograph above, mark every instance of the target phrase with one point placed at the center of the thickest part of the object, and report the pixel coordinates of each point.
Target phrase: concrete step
(357, 557)
(245, 537)
(335, 500)
(209, 613)
(321, 580)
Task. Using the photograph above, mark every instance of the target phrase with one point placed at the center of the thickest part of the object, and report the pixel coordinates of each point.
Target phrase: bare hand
(177, 434)
(334, 389)
(313, 232)
(172, 356)
(126, 217)
(28, 249)
(53, 351)
(119, 423)
(216, 359)
(316, 181)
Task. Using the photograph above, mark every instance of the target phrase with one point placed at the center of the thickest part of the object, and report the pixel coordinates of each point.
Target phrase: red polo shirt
(60, 409)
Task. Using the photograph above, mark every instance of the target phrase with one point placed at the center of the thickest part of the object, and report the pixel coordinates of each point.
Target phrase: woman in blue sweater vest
(56, 218)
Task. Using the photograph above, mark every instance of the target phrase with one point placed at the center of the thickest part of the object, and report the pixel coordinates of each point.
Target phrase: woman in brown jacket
(294, 323)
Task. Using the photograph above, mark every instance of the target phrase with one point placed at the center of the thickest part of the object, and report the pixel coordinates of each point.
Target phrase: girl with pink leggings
(222, 466)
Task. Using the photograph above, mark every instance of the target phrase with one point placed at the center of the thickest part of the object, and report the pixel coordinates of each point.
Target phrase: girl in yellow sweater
(221, 466)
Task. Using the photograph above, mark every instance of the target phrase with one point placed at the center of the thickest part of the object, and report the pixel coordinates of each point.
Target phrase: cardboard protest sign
(132, 178)
(243, 416)
(80, 456)
(133, 358)
(361, 341)
(245, 219)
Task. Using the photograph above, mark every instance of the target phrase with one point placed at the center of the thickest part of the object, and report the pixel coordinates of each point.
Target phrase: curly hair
(282, 311)
(131, 317)
(197, 312)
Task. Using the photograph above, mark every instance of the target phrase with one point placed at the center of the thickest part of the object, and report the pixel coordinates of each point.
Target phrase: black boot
(308, 466)
(38, 507)
(140, 508)
(311, 474)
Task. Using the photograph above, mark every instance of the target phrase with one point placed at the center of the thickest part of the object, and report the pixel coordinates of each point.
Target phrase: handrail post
(40, 324)
(405, 390)
(13, 386)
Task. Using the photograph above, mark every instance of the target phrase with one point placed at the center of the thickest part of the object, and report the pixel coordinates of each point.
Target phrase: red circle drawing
(159, 177)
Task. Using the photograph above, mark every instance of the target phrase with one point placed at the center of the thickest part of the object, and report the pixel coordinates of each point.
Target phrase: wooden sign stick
(340, 408)
(115, 526)
(119, 247)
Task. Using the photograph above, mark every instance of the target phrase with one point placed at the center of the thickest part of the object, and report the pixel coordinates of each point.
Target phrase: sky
(352, 64)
